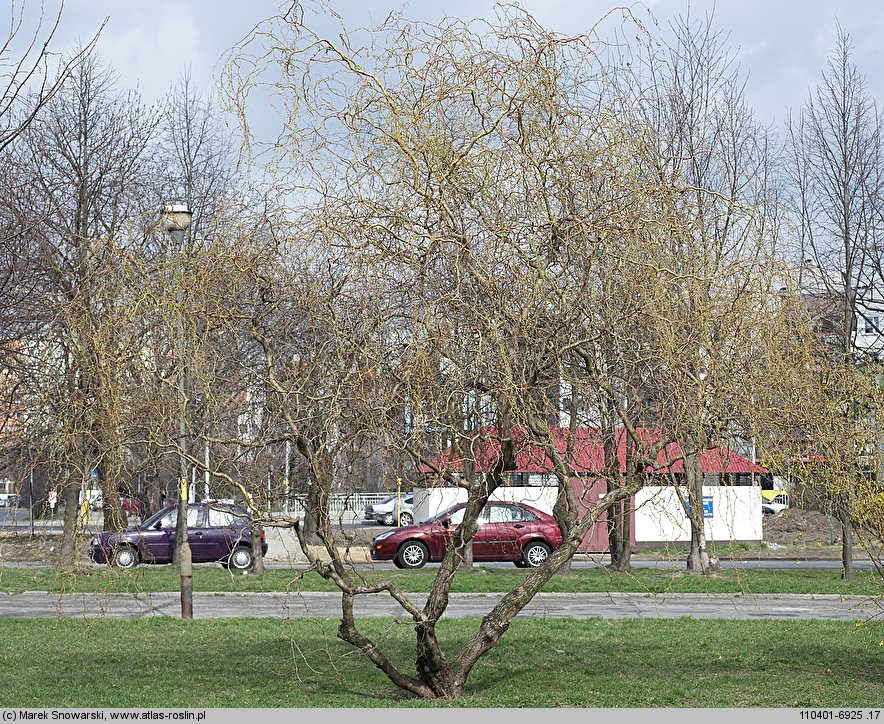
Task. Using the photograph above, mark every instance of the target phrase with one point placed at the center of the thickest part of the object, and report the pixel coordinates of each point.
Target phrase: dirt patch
(39, 549)
(812, 534)
(798, 526)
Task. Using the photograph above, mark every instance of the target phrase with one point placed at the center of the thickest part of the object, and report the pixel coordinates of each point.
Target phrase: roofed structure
(588, 455)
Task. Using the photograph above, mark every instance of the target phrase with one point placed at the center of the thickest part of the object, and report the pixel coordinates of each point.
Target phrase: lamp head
(176, 216)
(176, 220)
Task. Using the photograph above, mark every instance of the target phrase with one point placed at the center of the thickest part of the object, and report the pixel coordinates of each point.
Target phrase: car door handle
(198, 535)
(518, 525)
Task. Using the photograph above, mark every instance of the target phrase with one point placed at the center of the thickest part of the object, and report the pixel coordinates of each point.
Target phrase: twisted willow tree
(473, 218)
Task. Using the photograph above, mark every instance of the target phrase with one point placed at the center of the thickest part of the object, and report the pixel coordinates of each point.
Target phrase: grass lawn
(300, 663)
(480, 580)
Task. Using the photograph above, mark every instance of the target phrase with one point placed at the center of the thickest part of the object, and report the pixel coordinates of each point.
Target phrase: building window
(871, 325)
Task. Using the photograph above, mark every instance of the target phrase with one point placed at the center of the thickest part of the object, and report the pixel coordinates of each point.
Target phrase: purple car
(215, 532)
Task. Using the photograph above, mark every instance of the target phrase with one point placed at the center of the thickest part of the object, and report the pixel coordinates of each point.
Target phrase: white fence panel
(733, 513)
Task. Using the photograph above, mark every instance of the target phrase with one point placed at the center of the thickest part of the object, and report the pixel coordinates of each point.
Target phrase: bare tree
(201, 172)
(708, 145)
(91, 146)
(464, 200)
(836, 163)
(28, 79)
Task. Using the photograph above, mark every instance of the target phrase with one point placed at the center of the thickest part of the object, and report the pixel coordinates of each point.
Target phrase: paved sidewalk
(37, 604)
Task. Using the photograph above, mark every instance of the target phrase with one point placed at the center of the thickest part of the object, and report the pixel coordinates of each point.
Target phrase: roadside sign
(707, 507)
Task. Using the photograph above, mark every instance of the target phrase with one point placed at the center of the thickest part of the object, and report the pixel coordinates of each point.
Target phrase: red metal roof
(588, 455)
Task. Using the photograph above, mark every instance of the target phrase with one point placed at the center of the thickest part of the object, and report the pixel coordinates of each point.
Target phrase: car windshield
(455, 512)
(169, 515)
(155, 517)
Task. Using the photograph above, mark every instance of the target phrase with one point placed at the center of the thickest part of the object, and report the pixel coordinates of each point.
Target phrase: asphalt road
(545, 605)
(19, 519)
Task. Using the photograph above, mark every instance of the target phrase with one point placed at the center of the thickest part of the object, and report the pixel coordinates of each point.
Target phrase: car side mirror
(158, 525)
(446, 523)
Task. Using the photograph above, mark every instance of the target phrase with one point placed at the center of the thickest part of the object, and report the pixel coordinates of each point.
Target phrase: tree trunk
(620, 541)
(185, 564)
(614, 534)
(180, 528)
(311, 524)
(257, 554)
(467, 561)
(846, 547)
(699, 560)
(619, 544)
(71, 496)
(433, 669)
(115, 518)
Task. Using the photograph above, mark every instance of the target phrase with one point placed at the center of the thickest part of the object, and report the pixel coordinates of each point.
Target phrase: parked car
(507, 532)
(215, 532)
(131, 505)
(97, 501)
(387, 512)
(776, 503)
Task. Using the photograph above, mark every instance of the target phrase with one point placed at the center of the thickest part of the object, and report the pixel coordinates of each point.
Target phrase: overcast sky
(783, 44)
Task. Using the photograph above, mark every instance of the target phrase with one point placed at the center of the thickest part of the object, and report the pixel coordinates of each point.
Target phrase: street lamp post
(176, 221)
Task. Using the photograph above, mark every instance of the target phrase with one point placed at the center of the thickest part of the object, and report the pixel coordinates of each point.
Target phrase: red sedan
(507, 532)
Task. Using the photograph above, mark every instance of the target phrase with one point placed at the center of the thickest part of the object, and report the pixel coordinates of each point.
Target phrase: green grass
(480, 580)
(538, 663)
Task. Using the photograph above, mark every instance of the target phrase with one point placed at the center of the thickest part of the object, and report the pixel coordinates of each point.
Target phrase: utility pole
(176, 221)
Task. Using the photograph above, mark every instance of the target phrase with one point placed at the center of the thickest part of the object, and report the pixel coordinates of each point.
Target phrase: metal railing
(351, 502)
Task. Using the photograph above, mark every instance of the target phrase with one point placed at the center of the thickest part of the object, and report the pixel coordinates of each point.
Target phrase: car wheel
(389, 519)
(406, 519)
(125, 557)
(520, 563)
(413, 554)
(535, 554)
(240, 559)
(397, 563)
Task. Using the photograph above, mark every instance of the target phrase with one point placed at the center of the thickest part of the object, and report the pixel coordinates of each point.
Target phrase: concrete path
(545, 605)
